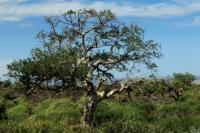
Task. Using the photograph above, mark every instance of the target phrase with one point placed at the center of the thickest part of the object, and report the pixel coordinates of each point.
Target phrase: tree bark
(93, 98)
(89, 110)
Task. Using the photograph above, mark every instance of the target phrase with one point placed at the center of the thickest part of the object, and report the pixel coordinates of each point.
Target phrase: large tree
(104, 46)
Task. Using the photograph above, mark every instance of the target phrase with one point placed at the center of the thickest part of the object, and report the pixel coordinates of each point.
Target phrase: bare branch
(114, 91)
(100, 82)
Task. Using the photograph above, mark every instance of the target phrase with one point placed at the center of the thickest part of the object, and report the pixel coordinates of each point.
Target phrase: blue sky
(175, 24)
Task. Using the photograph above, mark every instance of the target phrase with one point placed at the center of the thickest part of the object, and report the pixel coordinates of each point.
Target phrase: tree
(183, 79)
(104, 46)
(180, 82)
(50, 67)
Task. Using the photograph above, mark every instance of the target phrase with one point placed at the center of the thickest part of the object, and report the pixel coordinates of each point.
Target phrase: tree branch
(114, 91)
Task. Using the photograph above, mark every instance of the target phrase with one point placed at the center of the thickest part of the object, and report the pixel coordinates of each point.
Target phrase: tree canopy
(87, 47)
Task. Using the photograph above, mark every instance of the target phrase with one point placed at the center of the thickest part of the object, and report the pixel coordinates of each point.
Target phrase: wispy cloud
(16, 10)
(25, 25)
(192, 22)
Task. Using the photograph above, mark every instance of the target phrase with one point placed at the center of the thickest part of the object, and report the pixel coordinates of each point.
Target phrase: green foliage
(49, 67)
(1, 84)
(32, 126)
(17, 85)
(5, 84)
(107, 111)
(156, 86)
(183, 80)
(174, 87)
(8, 94)
(112, 116)
(57, 110)
(2, 109)
(80, 103)
(128, 126)
(52, 115)
(194, 130)
(19, 111)
(179, 84)
(76, 52)
(142, 116)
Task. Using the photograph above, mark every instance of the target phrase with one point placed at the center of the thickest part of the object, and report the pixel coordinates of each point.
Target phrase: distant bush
(1, 84)
(17, 85)
(2, 109)
(183, 80)
(6, 83)
(8, 94)
(179, 84)
(156, 86)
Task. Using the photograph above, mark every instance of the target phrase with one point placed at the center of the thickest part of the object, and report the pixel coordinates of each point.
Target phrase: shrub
(17, 85)
(8, 94)
(6, 83)
(1, 84)
(183, 80)
(155, 86)
(2, 109)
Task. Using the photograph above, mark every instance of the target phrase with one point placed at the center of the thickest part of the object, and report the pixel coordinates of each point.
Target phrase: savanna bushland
(70, 82)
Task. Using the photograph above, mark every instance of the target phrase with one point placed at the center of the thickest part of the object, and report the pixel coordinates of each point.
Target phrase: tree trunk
(89, 109)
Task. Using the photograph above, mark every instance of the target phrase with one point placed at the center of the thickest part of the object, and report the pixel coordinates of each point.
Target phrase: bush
(1, 84)
(2, 109)
(17, 85)
(8, 94)
(155, 86)
(183, 80)
(7, 83)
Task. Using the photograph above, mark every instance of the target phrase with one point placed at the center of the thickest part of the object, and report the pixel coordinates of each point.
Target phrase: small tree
(103, 45)
(50, 67)
(183, 79)
(180, 82)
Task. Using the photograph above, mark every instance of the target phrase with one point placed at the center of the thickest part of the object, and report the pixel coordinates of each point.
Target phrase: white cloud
(9, 18)
(5, 1)
(19, 9)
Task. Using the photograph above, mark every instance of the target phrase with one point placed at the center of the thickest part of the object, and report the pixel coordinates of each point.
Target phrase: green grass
(144, 115)
(57, 110)
(19, 111)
